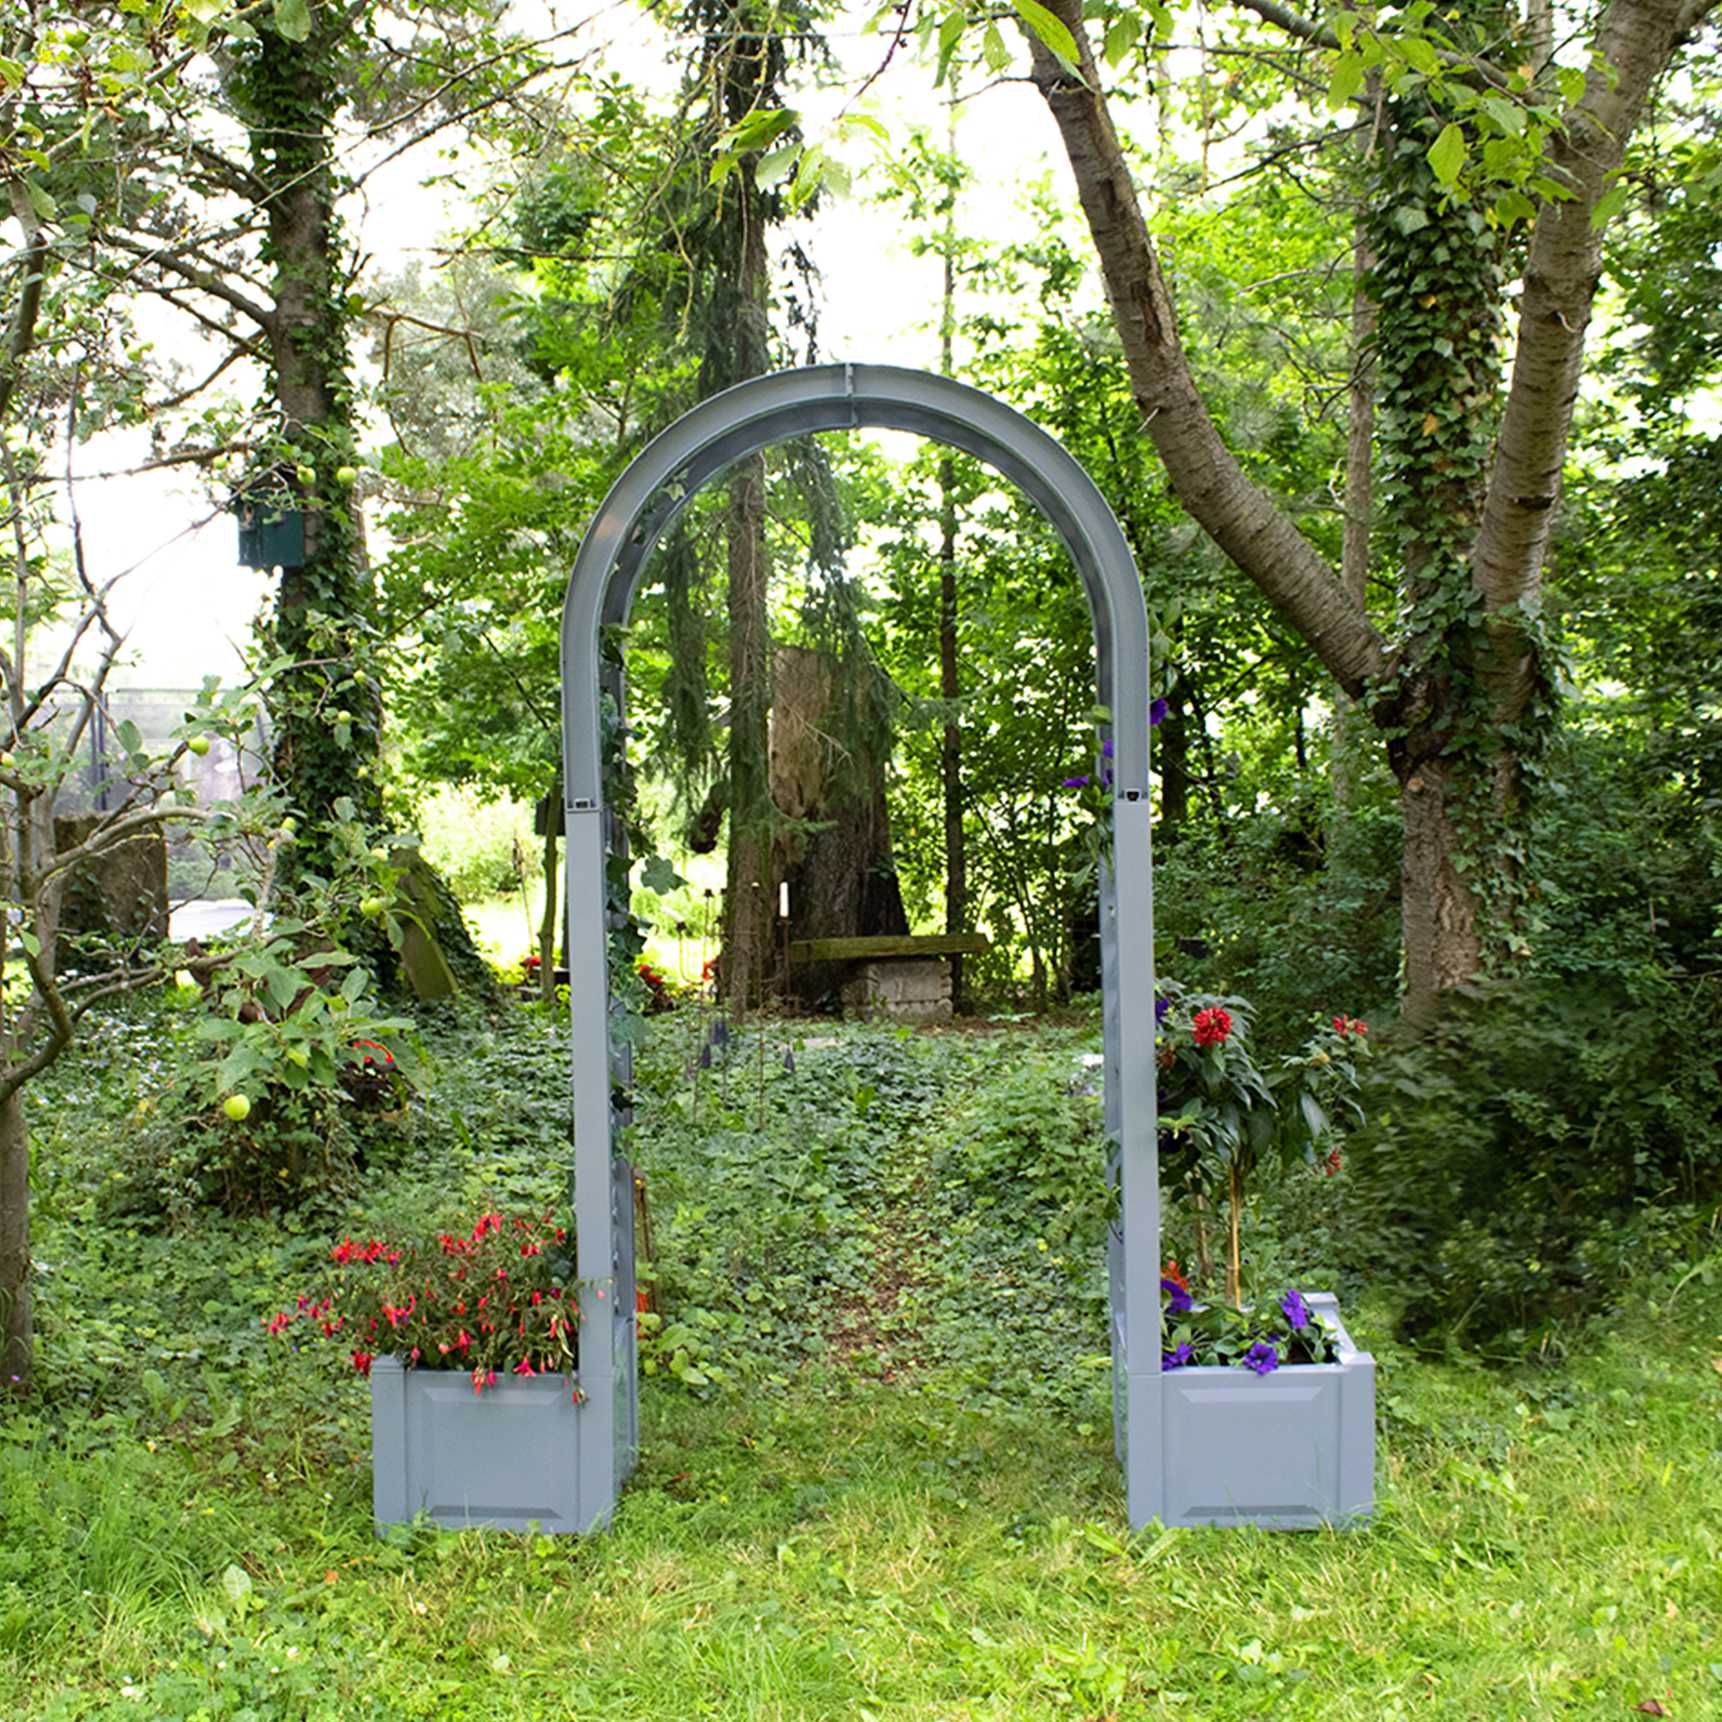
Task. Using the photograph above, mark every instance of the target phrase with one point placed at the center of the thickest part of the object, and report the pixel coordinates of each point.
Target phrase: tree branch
(1240, 517)
(1634, 43)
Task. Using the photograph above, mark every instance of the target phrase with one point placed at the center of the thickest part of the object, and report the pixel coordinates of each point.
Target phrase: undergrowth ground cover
(877, 1477)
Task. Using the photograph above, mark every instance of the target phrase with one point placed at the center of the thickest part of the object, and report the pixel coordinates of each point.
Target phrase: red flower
(1332, 1163)
(1171, 1271)
(362, 1361)
(1349, 1025)
(1212, 1027)
(280, 1323)
(524, 1367)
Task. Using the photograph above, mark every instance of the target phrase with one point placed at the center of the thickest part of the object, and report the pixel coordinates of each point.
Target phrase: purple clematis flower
(1156, 713)
(1177, 1357)
(1162, 1004)
(1181, 1299)
(1075, 783)
(1106, 748)
(1296, 1310)
(1262, 1358)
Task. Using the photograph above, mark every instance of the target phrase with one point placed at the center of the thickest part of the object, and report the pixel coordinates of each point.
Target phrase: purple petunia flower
(1181, 1299)
(1075, 783)
(1162, 1004)
(1156, 712)
(1177, 1357)
(1262, 1358)
(1296, 1310)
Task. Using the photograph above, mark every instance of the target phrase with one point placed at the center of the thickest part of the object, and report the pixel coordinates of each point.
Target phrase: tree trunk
(950, 683)
(552, 892)
(951, 749)
(842, 878)
(285, 92)
(1359, 493)
(17, 1348)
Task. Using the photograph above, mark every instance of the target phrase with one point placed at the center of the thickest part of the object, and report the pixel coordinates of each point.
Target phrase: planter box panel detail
(506, 1458)
(1290, 1450)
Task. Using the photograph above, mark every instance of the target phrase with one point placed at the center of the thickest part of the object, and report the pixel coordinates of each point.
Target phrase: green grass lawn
(897, 1501)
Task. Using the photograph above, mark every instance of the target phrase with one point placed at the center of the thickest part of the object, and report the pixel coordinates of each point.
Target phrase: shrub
(1518, 1166)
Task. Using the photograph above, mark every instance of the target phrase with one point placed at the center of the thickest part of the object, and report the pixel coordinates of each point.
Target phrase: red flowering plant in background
(1222, 1115)
(498, 1297)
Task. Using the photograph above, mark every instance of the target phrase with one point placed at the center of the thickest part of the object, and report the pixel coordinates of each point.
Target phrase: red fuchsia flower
(483, 1378)
(1171, 1271)
(1332, 1163)
(1212, 1027)
(524, 1367)
(279, 1323)
(1349, 1025)
(362, 1361)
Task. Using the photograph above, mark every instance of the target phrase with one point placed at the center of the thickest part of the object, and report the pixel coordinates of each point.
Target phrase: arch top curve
(663, 478)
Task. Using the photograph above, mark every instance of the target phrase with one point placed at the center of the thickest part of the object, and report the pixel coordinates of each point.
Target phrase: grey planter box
(507, 1458)
(1290, 1450)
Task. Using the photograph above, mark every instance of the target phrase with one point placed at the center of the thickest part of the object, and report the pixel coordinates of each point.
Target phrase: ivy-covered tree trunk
(1437, 282)
(750, 885)
(326, 714)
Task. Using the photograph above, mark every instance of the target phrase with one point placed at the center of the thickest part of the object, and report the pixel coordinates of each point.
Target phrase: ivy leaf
(1050, 30)
(1410, 218)
(1447, 154)
(659, 875)
(293, 19)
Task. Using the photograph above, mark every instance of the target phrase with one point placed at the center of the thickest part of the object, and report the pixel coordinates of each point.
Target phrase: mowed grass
(847, 1548)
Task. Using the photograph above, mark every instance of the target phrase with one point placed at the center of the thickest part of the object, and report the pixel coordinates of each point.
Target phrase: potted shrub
(469, 1340)
(1267, 1412)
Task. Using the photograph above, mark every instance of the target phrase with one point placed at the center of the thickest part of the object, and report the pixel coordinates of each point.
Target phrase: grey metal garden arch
(645, 501)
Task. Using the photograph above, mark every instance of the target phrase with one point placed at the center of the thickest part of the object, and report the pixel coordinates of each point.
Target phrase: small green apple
(306, 474)
(372, 906)
(237, 1107)
(346, 474)
(360, 678)
(289, 825)
(199, 744)
(7, 761)
(299, 1056)
(343, 716)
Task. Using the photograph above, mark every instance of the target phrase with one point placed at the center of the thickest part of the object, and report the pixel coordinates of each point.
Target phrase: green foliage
(1547, 1145)
(1028, 1147)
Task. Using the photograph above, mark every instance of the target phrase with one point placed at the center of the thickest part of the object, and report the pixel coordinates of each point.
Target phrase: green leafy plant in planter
(1223, 1116)
(500, 1297)
(1288, 1331)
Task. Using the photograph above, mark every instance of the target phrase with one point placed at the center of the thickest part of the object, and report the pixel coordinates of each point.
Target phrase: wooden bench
(902, 977)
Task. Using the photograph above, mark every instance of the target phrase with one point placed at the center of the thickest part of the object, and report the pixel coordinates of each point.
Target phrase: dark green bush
(1542, 1148)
